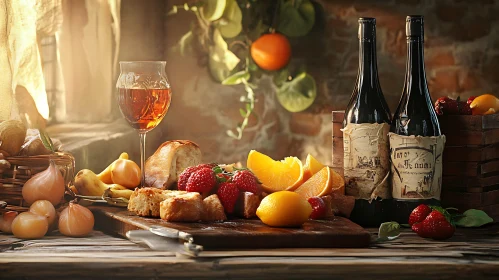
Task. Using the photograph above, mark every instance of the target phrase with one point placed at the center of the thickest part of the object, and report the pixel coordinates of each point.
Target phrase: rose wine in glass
(144, 96)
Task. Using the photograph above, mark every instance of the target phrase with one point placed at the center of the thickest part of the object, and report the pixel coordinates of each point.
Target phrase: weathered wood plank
(466, 122)
(472, 153)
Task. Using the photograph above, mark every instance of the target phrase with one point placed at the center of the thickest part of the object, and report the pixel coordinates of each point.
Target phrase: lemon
(284, 209)
(297, 94)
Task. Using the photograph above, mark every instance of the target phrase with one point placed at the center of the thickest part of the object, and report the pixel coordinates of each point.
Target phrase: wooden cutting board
(338, 232)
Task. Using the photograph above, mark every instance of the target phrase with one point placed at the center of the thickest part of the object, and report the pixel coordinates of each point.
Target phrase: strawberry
(470, 100)
(246, 181)
(435, 225)
(419, 214)
(228, 194)
(419, 229)
(318, 207)
(186, 174)
(202, 180)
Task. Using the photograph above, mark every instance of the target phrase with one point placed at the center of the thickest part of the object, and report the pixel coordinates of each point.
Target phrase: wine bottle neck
(368, 70)
(415, 68)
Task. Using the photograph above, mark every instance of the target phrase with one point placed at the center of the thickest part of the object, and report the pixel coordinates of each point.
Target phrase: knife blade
(160, 243)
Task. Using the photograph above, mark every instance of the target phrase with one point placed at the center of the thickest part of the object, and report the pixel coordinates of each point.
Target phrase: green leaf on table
(296, 18)
(298, 94)
(213, 9)
(473, 218)
(230, 24)
(237, 78)
(221, 60)
(388, 231)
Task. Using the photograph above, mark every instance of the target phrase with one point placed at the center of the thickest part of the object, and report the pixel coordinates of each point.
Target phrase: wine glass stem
(142, 136)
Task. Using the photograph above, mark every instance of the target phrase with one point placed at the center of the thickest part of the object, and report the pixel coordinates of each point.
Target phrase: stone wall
(462, 59)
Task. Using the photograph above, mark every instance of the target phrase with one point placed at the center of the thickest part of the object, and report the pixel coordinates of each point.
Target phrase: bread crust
(145, 202)
(213, 210)
(170, 159)
(186, 207)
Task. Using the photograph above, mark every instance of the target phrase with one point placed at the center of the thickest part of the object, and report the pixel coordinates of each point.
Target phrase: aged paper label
(416, 166)
(366, 160)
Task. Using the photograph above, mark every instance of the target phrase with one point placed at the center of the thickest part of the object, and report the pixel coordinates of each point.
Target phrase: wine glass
(144, 96)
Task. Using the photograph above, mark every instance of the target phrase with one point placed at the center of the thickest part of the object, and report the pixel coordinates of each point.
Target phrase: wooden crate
(470, 160)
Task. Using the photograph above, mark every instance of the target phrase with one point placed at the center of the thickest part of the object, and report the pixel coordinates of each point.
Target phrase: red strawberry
(318, 207)
(470, 100)
(186, 174)
(202, 180)
(419, 214)
(246, 181)
(435, 226)
(228, 194)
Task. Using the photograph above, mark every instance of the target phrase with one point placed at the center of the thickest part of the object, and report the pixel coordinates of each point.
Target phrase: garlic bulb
(46, 185)
(44, 208)
(28, 225)
(76, 220)
(6, 222)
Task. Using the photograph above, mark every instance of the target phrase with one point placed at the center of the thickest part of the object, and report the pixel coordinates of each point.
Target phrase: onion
(6, 222)
(46, 185)
(44, 208)
(28, 225)
(76, 220)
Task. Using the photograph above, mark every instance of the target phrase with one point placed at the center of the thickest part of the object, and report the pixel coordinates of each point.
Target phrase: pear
(88, 184)
(105, 175)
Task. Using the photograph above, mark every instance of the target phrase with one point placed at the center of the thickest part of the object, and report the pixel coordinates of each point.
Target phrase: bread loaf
(169, 160)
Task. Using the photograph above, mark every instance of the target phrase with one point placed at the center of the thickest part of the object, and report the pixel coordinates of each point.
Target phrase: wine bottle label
(416, 166)
(366, 160)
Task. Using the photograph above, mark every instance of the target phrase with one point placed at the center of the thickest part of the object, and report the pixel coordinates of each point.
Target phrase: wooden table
(470, 254)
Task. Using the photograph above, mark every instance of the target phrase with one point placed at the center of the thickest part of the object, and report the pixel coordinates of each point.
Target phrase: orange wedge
(312, 166)
(319, 184)
(276, 176)
(338, 183)
(485, 104)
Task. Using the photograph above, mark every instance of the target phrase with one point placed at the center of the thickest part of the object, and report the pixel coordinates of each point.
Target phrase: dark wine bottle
(416, 161)
(366, 159)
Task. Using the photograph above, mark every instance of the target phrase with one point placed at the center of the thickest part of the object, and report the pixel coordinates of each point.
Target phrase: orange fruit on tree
(275, 175)
(312, 166)
(271, 51)
(284, 209)
(485, 104)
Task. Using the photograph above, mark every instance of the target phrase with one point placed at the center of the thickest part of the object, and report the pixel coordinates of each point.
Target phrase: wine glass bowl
(144, 97)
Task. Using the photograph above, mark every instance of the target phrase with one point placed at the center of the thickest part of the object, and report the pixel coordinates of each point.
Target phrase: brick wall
(462, 59)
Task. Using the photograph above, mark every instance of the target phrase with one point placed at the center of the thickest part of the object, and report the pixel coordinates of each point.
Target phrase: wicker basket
(24, 167)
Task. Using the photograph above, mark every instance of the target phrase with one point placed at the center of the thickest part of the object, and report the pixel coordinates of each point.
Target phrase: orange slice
(318, 185)
(276, 176)
(338, 183)
(312, 166)
(485, 104)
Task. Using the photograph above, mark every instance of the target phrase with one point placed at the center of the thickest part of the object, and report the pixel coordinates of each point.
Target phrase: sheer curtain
(81, 72)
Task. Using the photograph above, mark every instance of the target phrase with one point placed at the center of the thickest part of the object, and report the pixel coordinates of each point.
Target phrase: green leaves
(298, 94)
(296, 17)
(212, 9)
(47, 142)
(473, 218)
(184, 43)
(230, 25)
(388, 231)
(221, 60)
(237, 78)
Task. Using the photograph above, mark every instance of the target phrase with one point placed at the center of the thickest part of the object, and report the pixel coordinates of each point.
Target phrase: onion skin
(6, 222)
(46, 185)
(28, 225)
(76, 221)
(44, 208)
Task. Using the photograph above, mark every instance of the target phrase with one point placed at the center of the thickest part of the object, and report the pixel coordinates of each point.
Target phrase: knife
(166, 239)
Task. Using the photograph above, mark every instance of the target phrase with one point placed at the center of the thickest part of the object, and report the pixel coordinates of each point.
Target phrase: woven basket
(23, 168)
